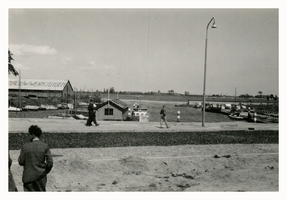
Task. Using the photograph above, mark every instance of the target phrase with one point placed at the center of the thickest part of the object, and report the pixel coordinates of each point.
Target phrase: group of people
(36, 159)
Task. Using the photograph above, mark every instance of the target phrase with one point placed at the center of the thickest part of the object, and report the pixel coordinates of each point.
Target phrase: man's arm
(49, 161)
(21, 158)
(10, 161)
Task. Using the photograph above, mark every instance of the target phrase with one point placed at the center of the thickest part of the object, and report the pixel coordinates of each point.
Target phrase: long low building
(41, 88)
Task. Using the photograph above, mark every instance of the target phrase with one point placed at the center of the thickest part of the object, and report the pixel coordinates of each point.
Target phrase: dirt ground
(233, 167)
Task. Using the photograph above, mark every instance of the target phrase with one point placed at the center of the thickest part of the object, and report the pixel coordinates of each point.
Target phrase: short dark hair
(35, 130)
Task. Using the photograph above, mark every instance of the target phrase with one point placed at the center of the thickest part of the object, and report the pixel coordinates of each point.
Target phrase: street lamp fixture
(204, 80)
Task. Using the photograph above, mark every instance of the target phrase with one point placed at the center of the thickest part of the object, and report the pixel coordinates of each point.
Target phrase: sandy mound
(174, 168)
(134, 163)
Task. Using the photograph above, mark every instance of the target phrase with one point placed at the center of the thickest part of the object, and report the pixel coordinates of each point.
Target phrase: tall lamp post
(204, 80)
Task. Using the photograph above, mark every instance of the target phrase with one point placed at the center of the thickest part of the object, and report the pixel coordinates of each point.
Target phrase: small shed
(112, 110)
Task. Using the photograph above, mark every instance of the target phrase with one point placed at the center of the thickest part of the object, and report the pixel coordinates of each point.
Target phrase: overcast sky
(149, 49)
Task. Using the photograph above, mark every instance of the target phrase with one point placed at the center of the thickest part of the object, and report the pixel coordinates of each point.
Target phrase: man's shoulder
(42, 143)
(35, 143)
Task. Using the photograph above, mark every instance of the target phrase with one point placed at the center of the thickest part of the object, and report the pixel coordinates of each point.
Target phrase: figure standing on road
(92, 114)
(163, 117)
(37, 161)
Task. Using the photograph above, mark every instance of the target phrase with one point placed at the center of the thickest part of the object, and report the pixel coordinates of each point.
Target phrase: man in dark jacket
(37, 161)
(92, 114)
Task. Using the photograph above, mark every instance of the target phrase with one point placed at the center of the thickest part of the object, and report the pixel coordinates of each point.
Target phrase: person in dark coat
(92, 114)
(37, 161)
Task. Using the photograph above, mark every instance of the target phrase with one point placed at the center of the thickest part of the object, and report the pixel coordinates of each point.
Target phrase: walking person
(37, 161)
(163, 117)
(92, 114)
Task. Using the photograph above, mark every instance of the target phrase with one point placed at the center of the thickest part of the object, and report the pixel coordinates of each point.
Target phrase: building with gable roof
(41, 88)
(112, 110)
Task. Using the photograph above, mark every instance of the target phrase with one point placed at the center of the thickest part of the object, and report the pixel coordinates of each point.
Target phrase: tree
(11, 68)
(267, 98)
(276, 98)
(170, 92)
(244, 96)
(260, 93)
(112, 90)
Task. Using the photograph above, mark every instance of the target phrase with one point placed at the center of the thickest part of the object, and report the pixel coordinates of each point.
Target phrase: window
(109, 111)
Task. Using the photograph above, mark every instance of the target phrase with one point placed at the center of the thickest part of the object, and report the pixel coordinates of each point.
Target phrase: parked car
(14, 109)
(63, 106)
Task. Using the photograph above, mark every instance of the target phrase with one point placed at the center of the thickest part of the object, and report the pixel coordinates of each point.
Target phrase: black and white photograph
(143, 99)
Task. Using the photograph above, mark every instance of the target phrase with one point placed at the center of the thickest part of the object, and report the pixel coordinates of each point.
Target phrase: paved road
(71, 125)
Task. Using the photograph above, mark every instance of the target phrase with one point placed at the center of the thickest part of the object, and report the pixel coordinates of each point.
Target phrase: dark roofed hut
(112, 110)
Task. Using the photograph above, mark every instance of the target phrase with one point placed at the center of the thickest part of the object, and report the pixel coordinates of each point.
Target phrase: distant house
(112, 110)
(41, 87)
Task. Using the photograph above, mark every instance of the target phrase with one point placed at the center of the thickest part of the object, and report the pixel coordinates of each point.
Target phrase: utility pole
(108, 89)
(235, 95)
(19, 93)
(204, 79)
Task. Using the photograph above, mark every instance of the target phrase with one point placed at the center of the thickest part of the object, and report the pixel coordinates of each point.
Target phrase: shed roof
(38, 84)
(116, 103)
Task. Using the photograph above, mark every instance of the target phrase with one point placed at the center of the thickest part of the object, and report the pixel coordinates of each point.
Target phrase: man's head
(35, 130)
